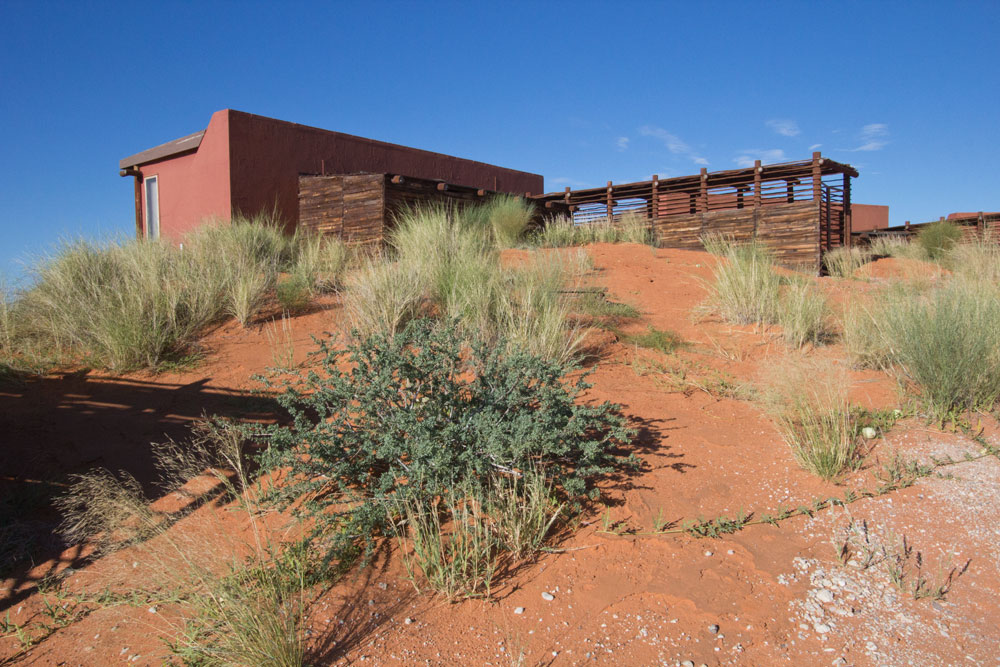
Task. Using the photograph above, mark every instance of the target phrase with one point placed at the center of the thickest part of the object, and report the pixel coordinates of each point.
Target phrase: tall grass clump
(896, 246)
(938, 238)
(807, 398)
(978, 260)
(944, 341)
(560, 232)
(745, 289)
(241, 600)
(842, 262)
(382, 296)
(318, 262)
(804, 314)
(252, 252)
(507, 216)
(118, 305)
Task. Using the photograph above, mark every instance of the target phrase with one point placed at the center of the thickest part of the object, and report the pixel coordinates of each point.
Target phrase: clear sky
(580, 92)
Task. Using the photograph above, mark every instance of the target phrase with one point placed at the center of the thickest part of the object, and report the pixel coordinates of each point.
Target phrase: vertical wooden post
(566, 195)
(848, 228)
(654, 204)
(703, 191)
(138, 204)
(756, 184)
(979, 225)
(611, 204)
(817, 176)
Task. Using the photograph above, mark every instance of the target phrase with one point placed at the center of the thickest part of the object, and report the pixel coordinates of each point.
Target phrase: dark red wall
(267, 156)
(865, 217)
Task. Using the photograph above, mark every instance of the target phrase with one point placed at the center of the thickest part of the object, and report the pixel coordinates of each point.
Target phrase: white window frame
(151, 233)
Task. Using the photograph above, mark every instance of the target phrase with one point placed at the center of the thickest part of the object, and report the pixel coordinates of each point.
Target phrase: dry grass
(241, 599)
(843, 262)
(807, 398)
(745, 289)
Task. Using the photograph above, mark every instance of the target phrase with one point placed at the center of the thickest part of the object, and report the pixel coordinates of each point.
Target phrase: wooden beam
(480, 192)
(610, 203)
(442, 187)
(654, 208)
(397, 179)
(138, 204)
(848, 227)
(756, 183)
(817, 175)
(703, 191)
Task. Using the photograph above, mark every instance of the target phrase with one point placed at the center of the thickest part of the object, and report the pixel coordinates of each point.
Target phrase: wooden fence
(800, 209)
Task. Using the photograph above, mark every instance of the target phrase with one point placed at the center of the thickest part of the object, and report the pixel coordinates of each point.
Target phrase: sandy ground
(765, 595)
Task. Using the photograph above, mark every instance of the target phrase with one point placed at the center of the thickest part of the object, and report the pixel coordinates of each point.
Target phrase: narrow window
(152, 207)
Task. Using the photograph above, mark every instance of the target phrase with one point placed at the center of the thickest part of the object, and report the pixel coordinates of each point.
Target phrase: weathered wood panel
(791, 230)
(349, 206)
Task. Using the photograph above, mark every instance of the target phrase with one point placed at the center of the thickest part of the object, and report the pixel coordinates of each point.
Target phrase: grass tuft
(842, 262)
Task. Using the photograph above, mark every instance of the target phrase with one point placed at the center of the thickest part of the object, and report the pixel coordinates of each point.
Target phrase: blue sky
(580, 92)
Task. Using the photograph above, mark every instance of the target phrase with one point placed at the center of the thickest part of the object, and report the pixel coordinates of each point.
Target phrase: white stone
(518, 610)
(548, 597)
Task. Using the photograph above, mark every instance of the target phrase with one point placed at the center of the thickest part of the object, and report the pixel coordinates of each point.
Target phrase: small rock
(713, 628)
(408, 620)
(708, 554)
(824, 596)
(731, 552)
(383, 585)
(152, 610)
(518, 610)
(937, 605)
(687, 663)
(821, 628)
(869, 433)
(548, 597)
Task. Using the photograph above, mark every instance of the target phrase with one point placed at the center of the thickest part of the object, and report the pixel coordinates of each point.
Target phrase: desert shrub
(938, 238)
(745, 288)
(945, 341)
(807, 398)
(717, 243)
(842, 262)
(426, 411)
(803, 314)
(596, 304)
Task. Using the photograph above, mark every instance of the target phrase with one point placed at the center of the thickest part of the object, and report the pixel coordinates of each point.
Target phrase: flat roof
(169, 149)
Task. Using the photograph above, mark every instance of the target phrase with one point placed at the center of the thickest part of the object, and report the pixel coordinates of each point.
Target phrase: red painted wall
(267, 156)
(865, 217)
(194, 186)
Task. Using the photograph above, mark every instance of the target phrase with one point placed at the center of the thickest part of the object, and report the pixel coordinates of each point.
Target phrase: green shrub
(660, 340)
(803, 314)
(842, 262)
(426, 411)
(745, 288)
(938, 238)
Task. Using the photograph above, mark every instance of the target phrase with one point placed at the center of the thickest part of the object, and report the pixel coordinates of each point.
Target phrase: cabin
(801, 210)
(246, 164)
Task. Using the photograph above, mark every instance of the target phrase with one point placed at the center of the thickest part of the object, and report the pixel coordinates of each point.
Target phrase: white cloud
(746, 158)
(873, 137)
(815, 147)
(621, 143)
(674, 144)
(785, 127)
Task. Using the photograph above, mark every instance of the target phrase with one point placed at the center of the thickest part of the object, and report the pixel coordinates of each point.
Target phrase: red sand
(618, 599)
